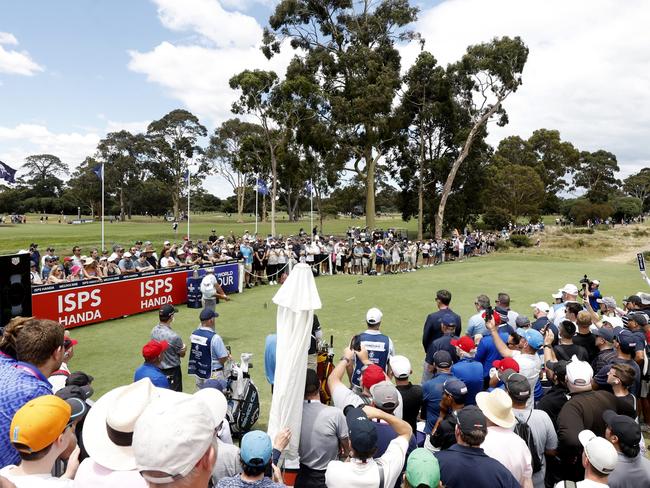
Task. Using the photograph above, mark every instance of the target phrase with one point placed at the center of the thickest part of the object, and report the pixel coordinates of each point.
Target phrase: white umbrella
(296, 300)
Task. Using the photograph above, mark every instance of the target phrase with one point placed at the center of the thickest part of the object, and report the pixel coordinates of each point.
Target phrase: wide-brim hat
(497, 406)
(108, 428)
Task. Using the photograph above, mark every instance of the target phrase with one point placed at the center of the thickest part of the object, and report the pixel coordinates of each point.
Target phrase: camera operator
(591, 292)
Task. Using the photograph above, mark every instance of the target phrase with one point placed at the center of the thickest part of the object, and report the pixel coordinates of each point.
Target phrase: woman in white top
(272, 265)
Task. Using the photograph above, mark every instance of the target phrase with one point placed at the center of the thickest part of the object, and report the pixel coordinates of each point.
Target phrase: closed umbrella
(296, 300)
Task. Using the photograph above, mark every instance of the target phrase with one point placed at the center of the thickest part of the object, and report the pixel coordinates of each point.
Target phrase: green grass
(111, 351)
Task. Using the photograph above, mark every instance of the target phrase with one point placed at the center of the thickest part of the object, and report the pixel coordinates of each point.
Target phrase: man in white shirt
(569, 294)
(361, 470)
(208, 289)
(598, 458)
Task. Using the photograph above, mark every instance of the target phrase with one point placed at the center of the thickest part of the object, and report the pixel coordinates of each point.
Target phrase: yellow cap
(39, 422)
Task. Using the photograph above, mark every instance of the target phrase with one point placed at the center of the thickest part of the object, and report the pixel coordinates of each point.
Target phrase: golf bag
(243, 397)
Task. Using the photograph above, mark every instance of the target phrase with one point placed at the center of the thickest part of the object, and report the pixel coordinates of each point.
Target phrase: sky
(70, 72)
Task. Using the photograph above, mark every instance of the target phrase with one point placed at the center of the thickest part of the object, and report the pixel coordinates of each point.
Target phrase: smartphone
(488, 314)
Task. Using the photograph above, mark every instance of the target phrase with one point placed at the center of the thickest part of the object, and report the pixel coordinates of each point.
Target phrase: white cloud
(587, 72)
(16, 62)
(133, 127)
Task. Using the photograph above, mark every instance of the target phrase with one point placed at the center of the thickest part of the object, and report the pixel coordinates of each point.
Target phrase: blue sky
(71, 71)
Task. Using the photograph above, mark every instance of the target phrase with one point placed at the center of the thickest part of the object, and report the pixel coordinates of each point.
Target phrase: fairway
(111, 351)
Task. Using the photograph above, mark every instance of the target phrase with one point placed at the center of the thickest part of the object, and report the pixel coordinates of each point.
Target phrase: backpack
(522, 429)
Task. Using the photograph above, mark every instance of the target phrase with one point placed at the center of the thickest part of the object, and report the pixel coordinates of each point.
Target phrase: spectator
(432, 390)
(76, 256)
(565, 349)
(453, 400)
(497, 408)
(90, 270)
(487, 352)
(500, 371)
(468, 370)
(605, 345)
(599, 459)
(625, 346)
(422, 470)
(208, 353)
(142, 265)
(256, 455)
(541, 428)
(568, 294)
(41, 431)
(442, 343)
(173, 442)
(58, 378)
(621, 378)
(584, 337)
(433, 325)
(476, 323)
(152, 353)
(362, 470)
(171, 357)
(34, 275)
(379, 346)
(555, 398)
(502, 307)
(632, 468)
(540, 313)
(126, 264)
(411, 394)
(323, 434)
(465, 462)
(38, 345)
(386, 398)
(208, 291)
(112, 269)
(636, 322)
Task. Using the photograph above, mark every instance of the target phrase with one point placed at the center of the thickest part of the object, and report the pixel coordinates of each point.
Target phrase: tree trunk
(121, 204)
(241, 194)
(175, 200)
(371, 164)
(263, 217)
(295, 210)
(421, 189)
(446, 190)
(274, 189)
(287, 200)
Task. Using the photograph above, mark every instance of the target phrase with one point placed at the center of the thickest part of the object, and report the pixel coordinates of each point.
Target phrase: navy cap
(639, 317)
(166, 311)
(471, 418)
(217, 384)
(363, 432)
(207, 314)
(626, 340)
(455, 389)
(518, 387)
(442, 359)
(624, 427)
(605, 332)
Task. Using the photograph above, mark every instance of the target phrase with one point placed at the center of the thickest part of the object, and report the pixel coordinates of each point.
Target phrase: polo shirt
(541, 322)
(553, 401)
(630, 472)
(412, 403)
(476, 325)
(588, 341)
(442, 344)
(431, 396)
(432, 326)
(171, 356)
(157, 377)
(530, 366)
(544, 436)
(487, 352)
(470, 372)
(462, 466)
(91, 474)
(385, 434)
(19, 383)
(270, 347)
(321, 431)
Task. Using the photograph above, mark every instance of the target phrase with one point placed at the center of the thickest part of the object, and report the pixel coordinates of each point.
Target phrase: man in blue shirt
(39, 351)
(432, 389)
(379, 346)
(468, 370)
(208, 353)
(433, 325)
(465, 463)
(247, 255)
(152, 352)
(476, 323)
(487, 352)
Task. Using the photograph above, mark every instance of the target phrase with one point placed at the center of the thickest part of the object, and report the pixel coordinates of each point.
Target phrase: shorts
(365, 261)
(645, 389)
(357, 261)
(248, 267)
(425, 255)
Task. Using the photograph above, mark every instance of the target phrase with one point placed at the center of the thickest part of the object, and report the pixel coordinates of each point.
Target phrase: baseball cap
(532, 336)
(385, 396)
(466, 343)
(166, 311)
(207, 314)
(422, 469)
(39, 422)
(600, 452)
(442, 359)
(171, 436)
(626, 340)
(78, 408)
(152, 349)
(615, 322)
(636, 300)
(127, 254)
(400, 366)
(79, 378)
(74, 391)
(455, 389)
(471, 418)
(505, 374)
(506, 363)
(578, 373)
(645, 298)
(217, 384)
(557, 295)
(372, 375)
(518, 387)
(522, 321)
(558, 367)
(624, 427)
(569, 289)
(363, 433)
(609, 302)
(543, 306)
(373, 316)
(605, 333)
(639, 317)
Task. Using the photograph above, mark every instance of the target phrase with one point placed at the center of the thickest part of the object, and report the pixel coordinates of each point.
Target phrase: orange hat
(39, 422)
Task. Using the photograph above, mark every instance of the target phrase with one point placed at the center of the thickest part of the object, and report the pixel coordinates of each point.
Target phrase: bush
(519, 240)
(496, 218)
(580, 230)
(503, 245)
(602, 227)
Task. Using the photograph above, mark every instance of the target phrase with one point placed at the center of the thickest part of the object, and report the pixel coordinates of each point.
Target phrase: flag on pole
(262, 187)
(186, 176)
(309, 187)
(98, 170)
(7, 173)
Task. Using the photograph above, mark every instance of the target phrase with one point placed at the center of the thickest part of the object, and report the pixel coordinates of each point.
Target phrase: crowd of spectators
(559, 399)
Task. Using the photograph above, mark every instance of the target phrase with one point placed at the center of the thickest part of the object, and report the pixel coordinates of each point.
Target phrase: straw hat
(497, 407)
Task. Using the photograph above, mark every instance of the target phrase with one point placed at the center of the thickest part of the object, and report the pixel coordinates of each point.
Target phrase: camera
(488, 314)
(585, 282)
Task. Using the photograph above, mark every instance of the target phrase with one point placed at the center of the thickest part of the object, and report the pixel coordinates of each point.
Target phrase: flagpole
(188, 202)
(257, 192)
(311, 204)
(103, 213)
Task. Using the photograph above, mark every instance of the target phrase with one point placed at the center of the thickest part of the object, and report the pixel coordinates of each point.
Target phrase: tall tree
(351, 46)
(172, 144)
(484, 78)
(596, 173)
(123, 156)
(638, 185)
(228, 152)
(42, 174)
(515, 189)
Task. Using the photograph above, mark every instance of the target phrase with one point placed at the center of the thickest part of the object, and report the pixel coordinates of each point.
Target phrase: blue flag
(98, 171)
(262, 187)
(7, 173)
(309, 187)
(186, 176)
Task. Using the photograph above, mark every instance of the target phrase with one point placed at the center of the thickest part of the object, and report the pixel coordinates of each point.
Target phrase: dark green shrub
(503, 245)
(519, 240)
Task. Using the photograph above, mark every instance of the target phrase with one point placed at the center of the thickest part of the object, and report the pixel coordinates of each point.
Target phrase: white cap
(613, 321)
(216, 402)
(112, 257)
(400, 366)
(600, 452)
(645, 298)
(166, 243)
(127, 254)
(557, 295)
(543, 306)
(373, 316)
(595, 282)
(569, 289)
(579, 373)
(171, 436)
